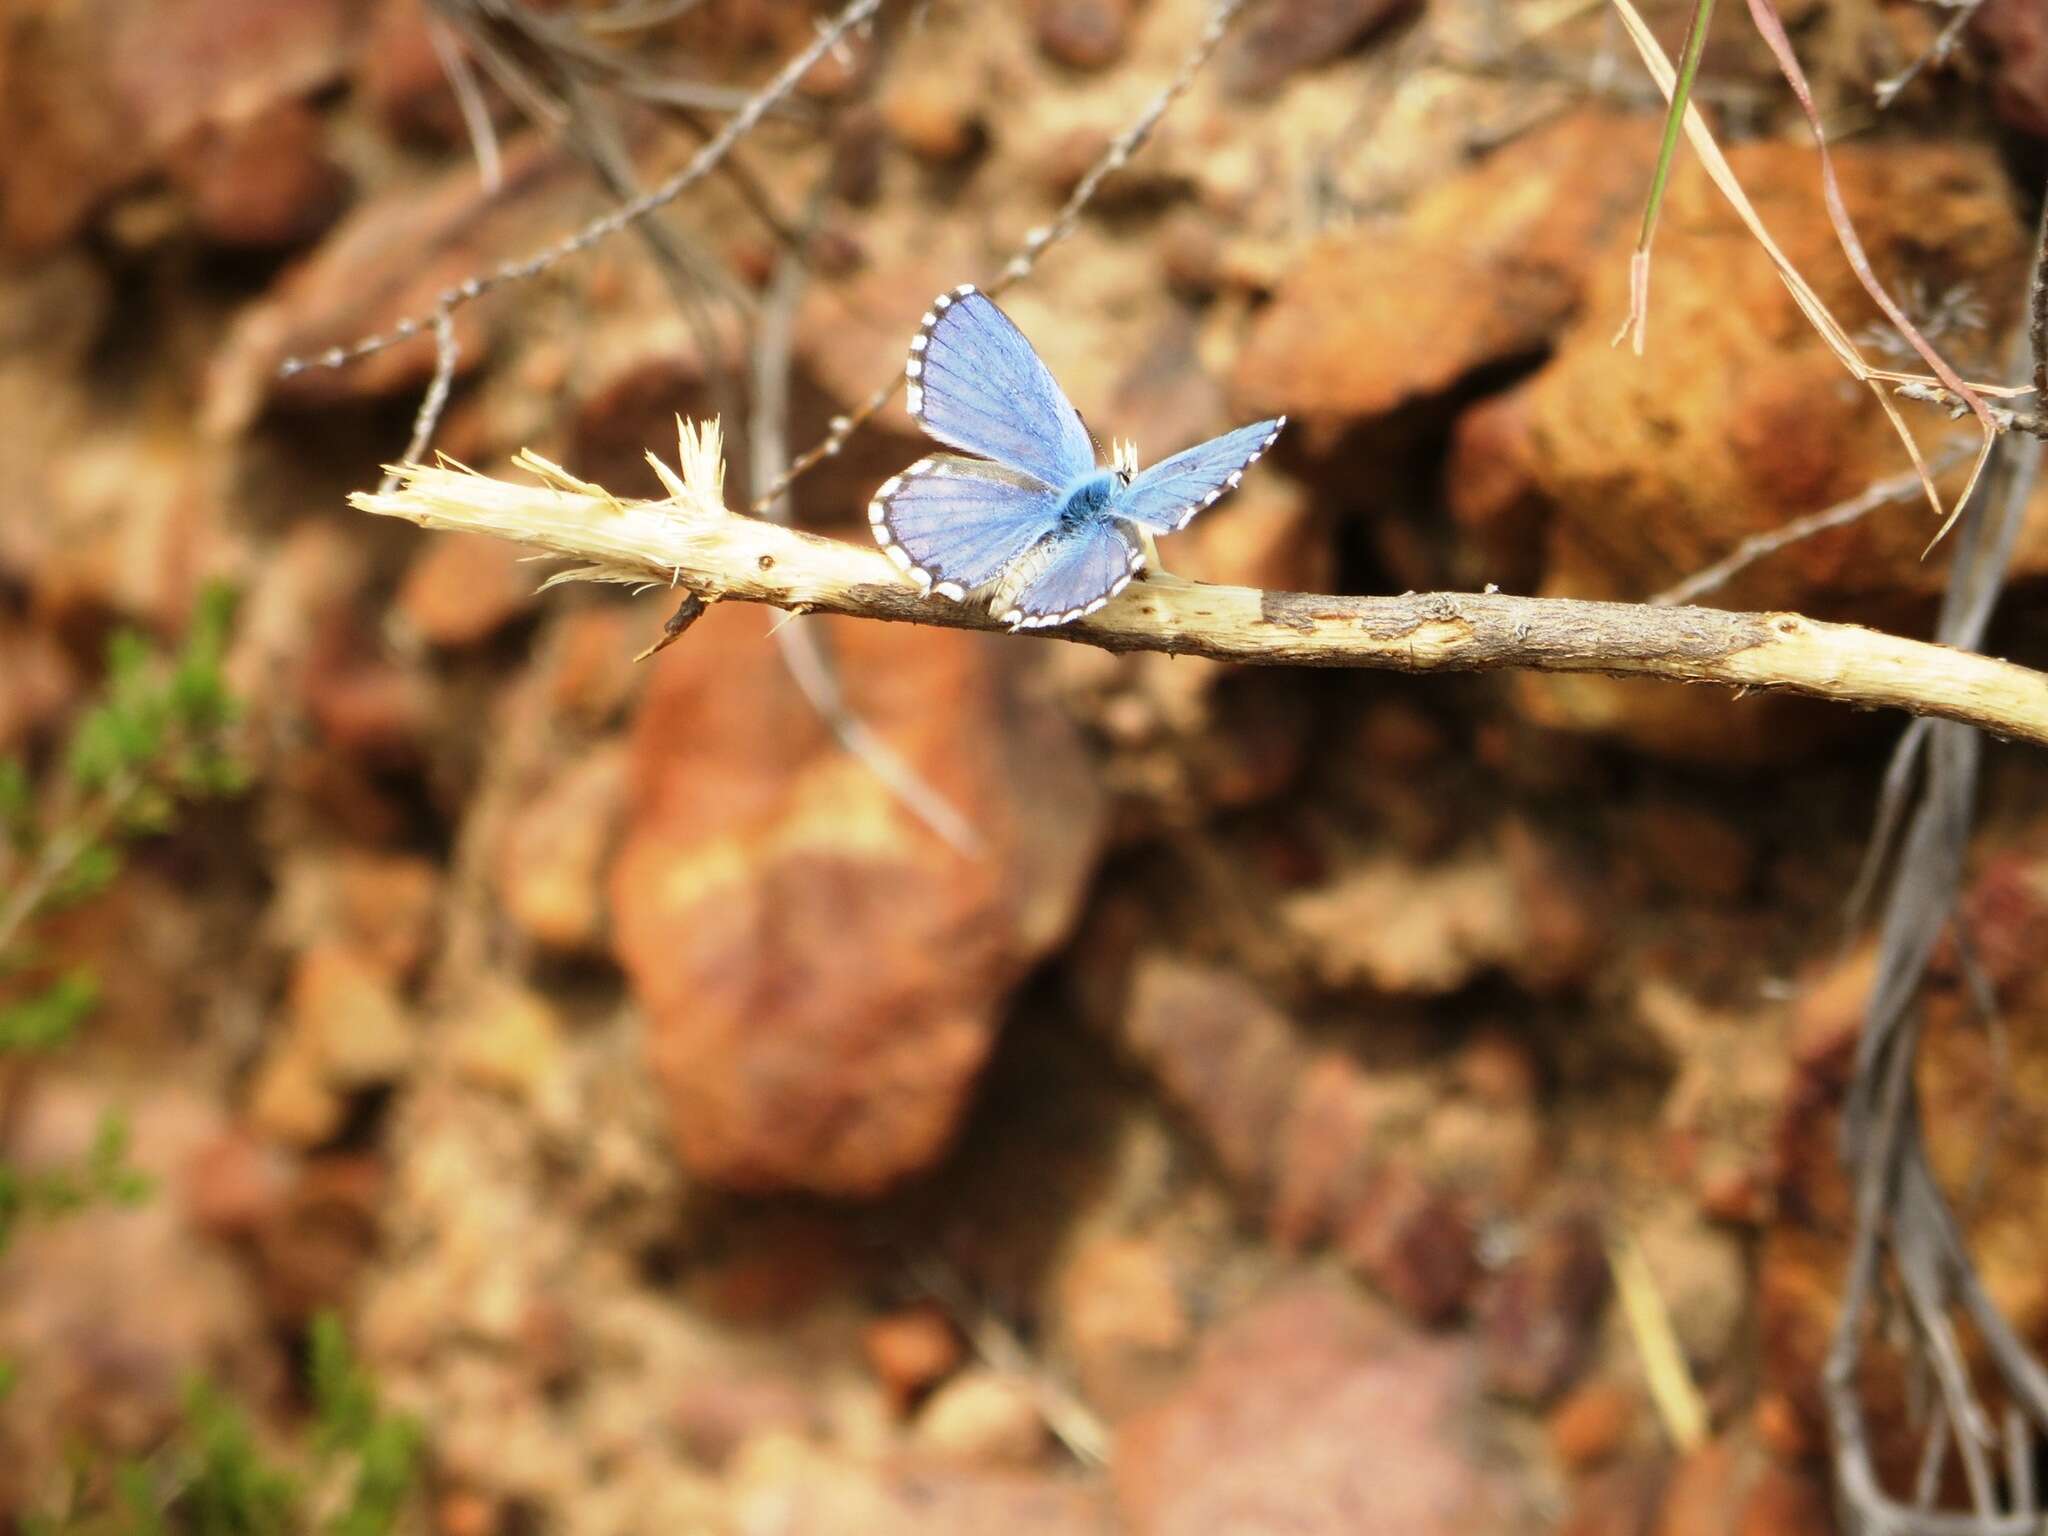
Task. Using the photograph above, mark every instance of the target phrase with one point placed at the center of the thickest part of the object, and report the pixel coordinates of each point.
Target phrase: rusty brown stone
(1488, 268)
(822, 974)
(1309, 1413)
(1539, 1321)
(1084, 34)
(462, 588)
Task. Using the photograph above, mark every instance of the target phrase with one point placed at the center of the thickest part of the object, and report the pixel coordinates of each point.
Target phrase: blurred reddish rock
(984, 1417)
(1492, 497)
(1497, 1070)
(1415, 1241)
(311, 1251)
(912, 1350)
(1390, 925)
(2017, 31)
(235, 1182)
(1484, 269)
(822, 975)
(384, 905)
(153, 74)
(1294, 35)
(1223, 1055)
(130, 508)
(401, 76)
(1730, 1488)
(936, 119)
(387, 261)
(717, 1416)
(1311, 1413)
(264, 181)
(464, 587)
(1592, 1423)
(1619, 1501)
(1123, 1322)
(107, 1314)
(371, 709)
(587, 661)
(1084, 34)
(1326, 1153)
(1719, 1114)
(37, 681)
(1540, 1320)
(345, 1030)
(552, 864)
(508, 1038)
(1705, 727)
(794, 1490)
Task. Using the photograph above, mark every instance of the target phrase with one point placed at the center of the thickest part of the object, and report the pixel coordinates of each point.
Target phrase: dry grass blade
(1765, 15)
(1810, 304)
(1672, 1389)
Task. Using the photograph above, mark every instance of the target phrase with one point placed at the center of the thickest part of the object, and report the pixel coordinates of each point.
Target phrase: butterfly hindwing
(955, 523)
(1166, 497)
(1067, 575)
(975, 383)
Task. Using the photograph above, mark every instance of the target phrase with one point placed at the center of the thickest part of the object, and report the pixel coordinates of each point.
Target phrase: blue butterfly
(1034, 517)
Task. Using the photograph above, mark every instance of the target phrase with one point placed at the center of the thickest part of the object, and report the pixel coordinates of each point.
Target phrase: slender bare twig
(694, 541)
(1037, 242)
(451, 299)
(2003, 418)
(469, 100)
(1937, 52)
(447, 353)
(803, 647)
(1072, 1421)
(1900, 487)
(1900, 1211)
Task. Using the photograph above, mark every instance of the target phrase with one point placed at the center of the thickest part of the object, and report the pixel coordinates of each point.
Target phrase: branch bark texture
(693, 541)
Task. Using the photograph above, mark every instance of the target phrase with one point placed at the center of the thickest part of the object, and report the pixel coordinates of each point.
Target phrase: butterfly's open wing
(954, 523)
(1165, 497)
(975, 383)
(1067, 575)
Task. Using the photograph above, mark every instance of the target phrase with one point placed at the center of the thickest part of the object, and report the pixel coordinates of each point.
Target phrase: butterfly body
(1033, 518)
(1092, 496)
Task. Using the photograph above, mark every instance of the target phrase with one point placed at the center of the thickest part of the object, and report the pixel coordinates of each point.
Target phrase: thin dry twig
(1935, 54)
(1072, 1421)
(1901, 1213)
(803, 646)
(1758, 546)
(692, 540)
(1810, 304)
(1764, 13)
(857, 13)
(1037, 242)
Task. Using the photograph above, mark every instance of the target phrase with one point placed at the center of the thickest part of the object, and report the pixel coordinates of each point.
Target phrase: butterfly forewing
(1167, 496)
(955, 523)
(1068, 575)
(976, 384)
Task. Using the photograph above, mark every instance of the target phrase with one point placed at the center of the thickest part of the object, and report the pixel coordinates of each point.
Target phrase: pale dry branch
(692, 540)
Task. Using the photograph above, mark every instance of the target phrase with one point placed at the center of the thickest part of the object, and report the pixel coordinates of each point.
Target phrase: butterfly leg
(1150, 548)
